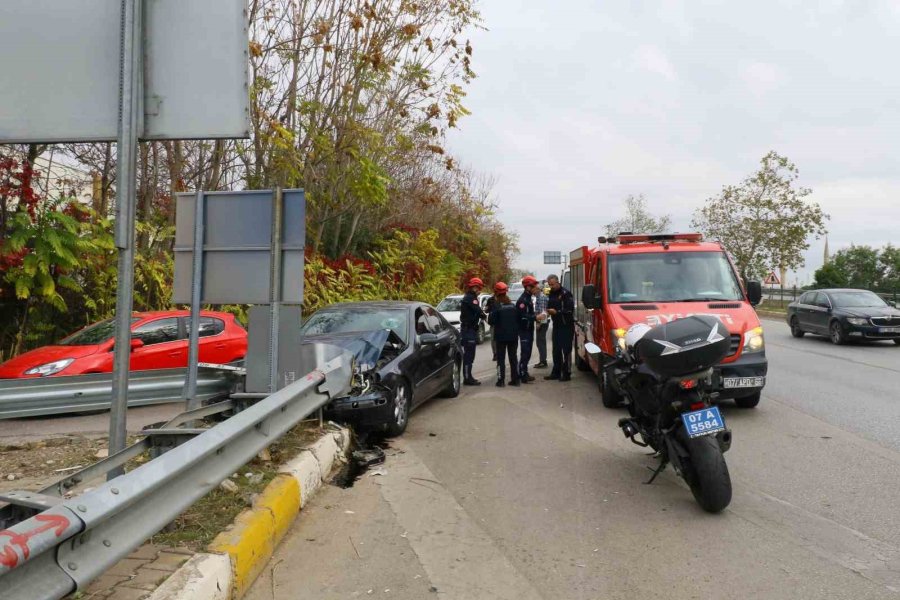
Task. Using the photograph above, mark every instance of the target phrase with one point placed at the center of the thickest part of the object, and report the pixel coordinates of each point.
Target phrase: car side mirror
(136, 343)
(754, 292)
(589, 297)
(428, 339)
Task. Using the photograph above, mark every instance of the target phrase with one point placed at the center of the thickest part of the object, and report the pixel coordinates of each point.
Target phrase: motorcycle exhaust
(724, 439)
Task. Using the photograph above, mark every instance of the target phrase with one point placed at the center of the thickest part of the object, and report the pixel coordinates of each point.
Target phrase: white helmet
(635, 333)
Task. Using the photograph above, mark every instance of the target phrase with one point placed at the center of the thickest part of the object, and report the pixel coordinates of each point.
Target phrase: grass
(205, 519)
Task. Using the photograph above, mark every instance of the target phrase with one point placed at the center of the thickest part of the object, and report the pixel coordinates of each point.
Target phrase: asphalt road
(16, 431)
(534, 493)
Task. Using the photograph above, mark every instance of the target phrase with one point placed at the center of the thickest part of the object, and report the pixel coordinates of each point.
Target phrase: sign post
(129, 129)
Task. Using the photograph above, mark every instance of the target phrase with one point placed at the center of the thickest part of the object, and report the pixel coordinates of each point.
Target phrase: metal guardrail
(61, 550)
(85, 393)
(780, 298)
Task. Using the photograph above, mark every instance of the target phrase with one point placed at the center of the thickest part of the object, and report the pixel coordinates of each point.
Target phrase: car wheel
(795, 328)
(480, 336)
(838, 336)
(748, 401)
(400, 415)
(452, 390)
(897, 341)
(611, 398)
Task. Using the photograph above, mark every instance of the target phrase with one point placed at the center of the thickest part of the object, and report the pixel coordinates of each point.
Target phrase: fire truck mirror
(754, 292)
(589, 297)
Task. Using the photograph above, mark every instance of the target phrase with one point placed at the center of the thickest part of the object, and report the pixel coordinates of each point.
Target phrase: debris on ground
(229, 486)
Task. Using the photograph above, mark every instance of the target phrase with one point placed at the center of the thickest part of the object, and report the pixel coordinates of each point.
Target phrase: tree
(859, 266)
(889, 264)
(765, 221)
(638, 219)
(830, 276)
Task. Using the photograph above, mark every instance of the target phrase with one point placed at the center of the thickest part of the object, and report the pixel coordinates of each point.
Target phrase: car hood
(366, 346)
(451, 315)
(15, 367)
(871, 311)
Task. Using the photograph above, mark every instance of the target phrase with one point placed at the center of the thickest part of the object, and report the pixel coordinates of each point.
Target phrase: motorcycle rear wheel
(708, 478)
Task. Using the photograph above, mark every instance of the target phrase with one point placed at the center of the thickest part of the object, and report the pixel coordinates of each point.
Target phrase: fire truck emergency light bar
(634, 238)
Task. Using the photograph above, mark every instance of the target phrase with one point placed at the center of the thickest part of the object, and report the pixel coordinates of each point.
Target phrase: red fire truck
(656, 279)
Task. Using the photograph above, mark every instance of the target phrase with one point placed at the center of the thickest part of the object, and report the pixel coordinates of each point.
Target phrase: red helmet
(500, 288)
(528, 281)
(475, 281)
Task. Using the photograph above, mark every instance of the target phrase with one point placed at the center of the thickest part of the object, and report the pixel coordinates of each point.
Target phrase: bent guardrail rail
(63, 549)
(86, 393)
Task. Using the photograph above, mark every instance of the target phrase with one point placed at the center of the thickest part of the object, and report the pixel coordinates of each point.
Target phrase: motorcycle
(665, 374)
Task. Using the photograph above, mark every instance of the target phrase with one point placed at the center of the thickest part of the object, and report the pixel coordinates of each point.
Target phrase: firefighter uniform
(526, 317)
(470, 315)
(563, 332)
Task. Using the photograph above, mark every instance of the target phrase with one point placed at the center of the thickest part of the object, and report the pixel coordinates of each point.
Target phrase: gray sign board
(237, 248)
(59, 70)
(552, 258)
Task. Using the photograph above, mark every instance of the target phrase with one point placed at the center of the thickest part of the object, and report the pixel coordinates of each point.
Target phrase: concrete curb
(238, 555)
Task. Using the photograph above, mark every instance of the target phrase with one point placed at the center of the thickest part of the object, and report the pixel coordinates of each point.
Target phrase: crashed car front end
(369, 403)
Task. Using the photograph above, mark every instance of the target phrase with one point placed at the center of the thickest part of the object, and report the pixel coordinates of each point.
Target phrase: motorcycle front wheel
(708, 475)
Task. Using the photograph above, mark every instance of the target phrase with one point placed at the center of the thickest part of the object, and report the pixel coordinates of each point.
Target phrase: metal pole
(275, 290)
(130, 85)
(190, 384)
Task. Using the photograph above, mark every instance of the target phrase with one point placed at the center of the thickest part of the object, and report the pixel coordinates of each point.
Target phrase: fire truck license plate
(742, 382)
(703, 422)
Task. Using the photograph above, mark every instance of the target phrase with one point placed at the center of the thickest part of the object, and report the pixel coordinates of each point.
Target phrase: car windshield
(859, 299)
(450, 304)
(357, 320)
(93, 334)
(672, 277)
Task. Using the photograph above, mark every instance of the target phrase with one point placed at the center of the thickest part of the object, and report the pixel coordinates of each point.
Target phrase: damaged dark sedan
(406, 353)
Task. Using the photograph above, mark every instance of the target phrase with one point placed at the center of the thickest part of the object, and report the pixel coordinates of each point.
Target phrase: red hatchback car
(159, 340)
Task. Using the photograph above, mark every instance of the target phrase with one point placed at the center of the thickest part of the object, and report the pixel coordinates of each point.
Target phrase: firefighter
(504, 318)
(561, 308)
(525, 308)
(470, 315)
(543, 324)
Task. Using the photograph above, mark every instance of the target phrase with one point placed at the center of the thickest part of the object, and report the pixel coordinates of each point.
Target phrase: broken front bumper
(366, 410)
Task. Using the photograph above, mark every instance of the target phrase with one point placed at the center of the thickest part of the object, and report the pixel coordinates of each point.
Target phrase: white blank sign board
(59, 70)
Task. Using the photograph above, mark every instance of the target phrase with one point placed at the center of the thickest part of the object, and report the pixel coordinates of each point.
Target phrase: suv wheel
(611, 398)
(748, 401)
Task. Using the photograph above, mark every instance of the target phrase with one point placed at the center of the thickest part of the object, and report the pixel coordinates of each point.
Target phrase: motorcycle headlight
(859, 321)
(50, 368)
(754, 341)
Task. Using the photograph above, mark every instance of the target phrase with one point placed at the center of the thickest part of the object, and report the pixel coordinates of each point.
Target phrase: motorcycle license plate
(703, 422)
(743, 382)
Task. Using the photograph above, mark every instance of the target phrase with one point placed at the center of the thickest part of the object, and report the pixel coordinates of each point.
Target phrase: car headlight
(618, 336)
(50, 368)
(754, 340)
(859, 321)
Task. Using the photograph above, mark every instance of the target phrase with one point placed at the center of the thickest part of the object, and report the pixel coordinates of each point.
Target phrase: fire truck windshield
(672, 277)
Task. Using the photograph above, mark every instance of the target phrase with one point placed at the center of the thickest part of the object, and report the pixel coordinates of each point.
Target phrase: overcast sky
(579, 103)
